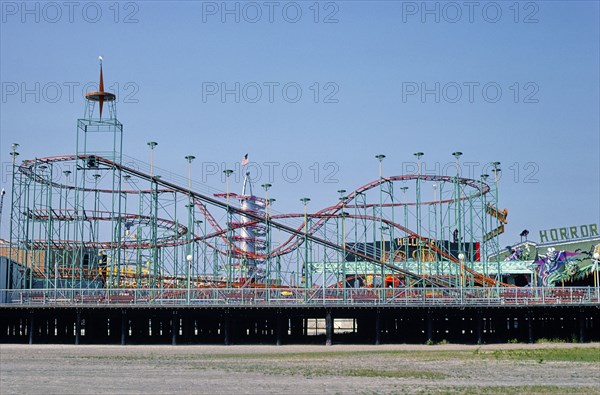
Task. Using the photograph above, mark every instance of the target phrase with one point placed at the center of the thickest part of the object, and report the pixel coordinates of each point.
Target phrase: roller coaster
(100, 220)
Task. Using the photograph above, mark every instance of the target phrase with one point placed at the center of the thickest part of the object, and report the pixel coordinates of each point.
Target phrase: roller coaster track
(297, 235)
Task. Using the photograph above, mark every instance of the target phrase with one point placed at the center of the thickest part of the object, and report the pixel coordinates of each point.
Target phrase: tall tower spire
(98, 123)
(100, 96)
(101, 86)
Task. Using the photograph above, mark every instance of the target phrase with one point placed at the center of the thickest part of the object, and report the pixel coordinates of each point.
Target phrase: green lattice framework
(99, 219)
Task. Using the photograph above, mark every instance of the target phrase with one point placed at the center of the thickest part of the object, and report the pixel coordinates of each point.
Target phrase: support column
(305, 327)
(51, 335)
(279, 329)
(155, 328)
(78, 327)
(6, 328)
(61, 333)
(123, 326)
(186, 327)
(31, 326)
(377, 327)
(429, 328)
(581, 319)
(529, 328)
(479, 318)
(328, 328)
(227, 328)
(174, 327)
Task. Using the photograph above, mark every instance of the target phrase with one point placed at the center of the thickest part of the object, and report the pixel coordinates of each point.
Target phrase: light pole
(14, 152)
(380, 158)
(418, 155)
(305, 201)
(266, 187)
(227, 173)
(154, 208)
(189, 258)
(278, 281)
(343, 201)
(152, 145)
(343, 260)
(457, 210)
(343, 253)
(14, 155)
(190, 206)
(496, 170)
(189, 159)
(483, 246)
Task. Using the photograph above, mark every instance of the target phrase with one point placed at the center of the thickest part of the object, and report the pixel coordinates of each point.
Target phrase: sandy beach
(301, 369)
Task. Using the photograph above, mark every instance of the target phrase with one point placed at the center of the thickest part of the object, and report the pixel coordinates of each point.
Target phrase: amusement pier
(107, 249)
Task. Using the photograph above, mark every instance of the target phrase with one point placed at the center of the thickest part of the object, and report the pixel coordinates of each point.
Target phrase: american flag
(245, 160)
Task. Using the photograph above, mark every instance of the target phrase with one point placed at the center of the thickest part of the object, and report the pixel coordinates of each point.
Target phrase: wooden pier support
(328, 328)
(31, 329)
(78, 327)
(284, 325)
(429, 328)
(530, 338)
(227, 328)
(123, 326)
(479, 327)
(581, 321)
(377, 327)
(279, 329)
(174, 327)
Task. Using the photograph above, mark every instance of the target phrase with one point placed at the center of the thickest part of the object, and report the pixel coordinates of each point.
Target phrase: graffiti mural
(558, 265)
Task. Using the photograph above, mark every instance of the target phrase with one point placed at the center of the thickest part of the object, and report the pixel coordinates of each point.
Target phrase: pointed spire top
(100, 96)
(101, 85)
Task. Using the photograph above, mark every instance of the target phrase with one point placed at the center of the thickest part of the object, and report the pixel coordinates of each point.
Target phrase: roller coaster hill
(97, 227)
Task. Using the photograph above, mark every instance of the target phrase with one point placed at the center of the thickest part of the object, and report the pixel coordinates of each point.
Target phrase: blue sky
(528, 79)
